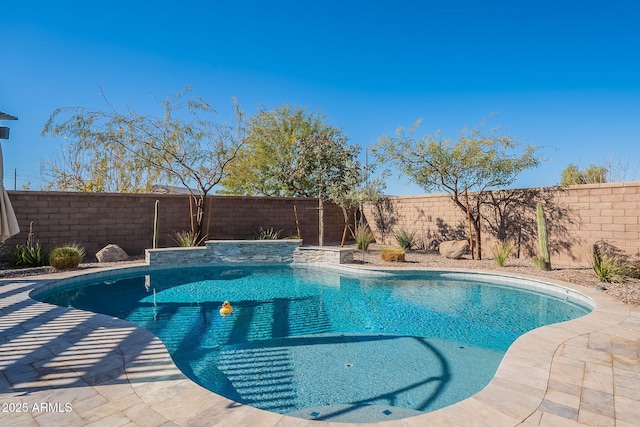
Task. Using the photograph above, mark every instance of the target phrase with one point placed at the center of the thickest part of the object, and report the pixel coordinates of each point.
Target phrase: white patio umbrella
(8, 222)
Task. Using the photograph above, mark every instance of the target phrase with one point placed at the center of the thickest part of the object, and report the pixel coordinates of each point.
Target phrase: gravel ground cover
(628, 292)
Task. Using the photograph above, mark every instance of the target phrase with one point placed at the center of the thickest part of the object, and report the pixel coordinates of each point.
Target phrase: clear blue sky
(564, 74)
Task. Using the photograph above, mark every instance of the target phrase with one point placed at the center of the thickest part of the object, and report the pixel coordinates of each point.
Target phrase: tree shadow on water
(391, 397)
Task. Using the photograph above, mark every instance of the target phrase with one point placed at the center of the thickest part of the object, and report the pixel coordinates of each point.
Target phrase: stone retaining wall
(226, 252)
(322, 255)
(248, 252)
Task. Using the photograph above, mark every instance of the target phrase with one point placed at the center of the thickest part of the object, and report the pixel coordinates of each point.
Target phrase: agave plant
(606, 267)
(267, 234)
(405, 238)
(29, 255)
(187, 238)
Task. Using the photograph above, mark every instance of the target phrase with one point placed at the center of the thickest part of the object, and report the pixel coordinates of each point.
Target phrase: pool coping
(581, 372)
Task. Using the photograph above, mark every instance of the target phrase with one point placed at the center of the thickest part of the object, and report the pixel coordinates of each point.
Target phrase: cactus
(543, 261)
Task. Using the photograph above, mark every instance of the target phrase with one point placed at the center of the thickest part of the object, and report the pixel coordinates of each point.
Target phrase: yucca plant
(405, 238)
(187, 238)
(267, 234)
(66, 257)
(501, 253)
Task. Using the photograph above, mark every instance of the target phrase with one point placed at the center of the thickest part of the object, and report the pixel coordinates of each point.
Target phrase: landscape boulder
(111, 253)
(454, 249)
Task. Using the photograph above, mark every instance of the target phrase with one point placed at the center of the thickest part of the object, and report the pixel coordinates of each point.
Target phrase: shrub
(501, 253)
(187, 239)
(608, 268)
(66, 257)
(364, 236)
(405, 238)
(29, 255)
(267, 234)
(392, 254)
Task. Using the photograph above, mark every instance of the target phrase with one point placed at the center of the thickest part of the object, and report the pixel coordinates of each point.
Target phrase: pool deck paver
(66, 367)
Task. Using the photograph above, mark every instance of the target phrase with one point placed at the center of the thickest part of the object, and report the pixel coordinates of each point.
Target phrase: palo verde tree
(331, 163)
(571, 175)
(478, 161)
(292, 153)
(184, 146)
(278, 158)
(352, 190)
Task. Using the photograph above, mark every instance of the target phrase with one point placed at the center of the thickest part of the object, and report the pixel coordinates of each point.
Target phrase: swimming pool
(323, 344)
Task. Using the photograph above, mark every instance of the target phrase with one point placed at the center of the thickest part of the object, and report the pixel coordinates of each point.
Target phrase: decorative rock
(454, 249)
(111, 253)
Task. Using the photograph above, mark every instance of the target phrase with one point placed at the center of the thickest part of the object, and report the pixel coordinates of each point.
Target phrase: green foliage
(543, 261)
(187, 238)
(607, 268)
(392, 254)
(611, 264)
(364, 236)
(29, 255)
(591, 175)
(405, 238)
(267, 234)
(476, 162)
(501, 253)
(129, 152)
(66, 257)
(291, 153)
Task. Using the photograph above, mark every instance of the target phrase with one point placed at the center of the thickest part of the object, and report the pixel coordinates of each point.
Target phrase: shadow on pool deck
(582, 372)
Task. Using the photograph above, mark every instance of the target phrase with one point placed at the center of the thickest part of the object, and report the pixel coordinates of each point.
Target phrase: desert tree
(290, 152)
(593, 174)
(467, 168)
(109, 150)
(330, 163)
(280, 156)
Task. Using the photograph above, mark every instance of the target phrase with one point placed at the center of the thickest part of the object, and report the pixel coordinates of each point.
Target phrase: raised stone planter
(322, 255)
(226, 252)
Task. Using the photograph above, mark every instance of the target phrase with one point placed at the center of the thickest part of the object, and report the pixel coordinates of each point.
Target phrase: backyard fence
(577, 216)
(97, 219)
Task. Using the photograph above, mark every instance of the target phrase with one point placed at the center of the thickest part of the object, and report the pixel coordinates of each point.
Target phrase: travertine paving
(66, 367)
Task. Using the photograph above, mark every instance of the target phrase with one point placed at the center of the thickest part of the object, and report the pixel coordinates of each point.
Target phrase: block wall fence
(577, 217)
(97, 219)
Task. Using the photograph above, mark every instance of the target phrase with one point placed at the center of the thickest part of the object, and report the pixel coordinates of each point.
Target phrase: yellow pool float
(226, 308)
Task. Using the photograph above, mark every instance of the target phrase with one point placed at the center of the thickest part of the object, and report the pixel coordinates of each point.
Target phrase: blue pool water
(326, 345)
